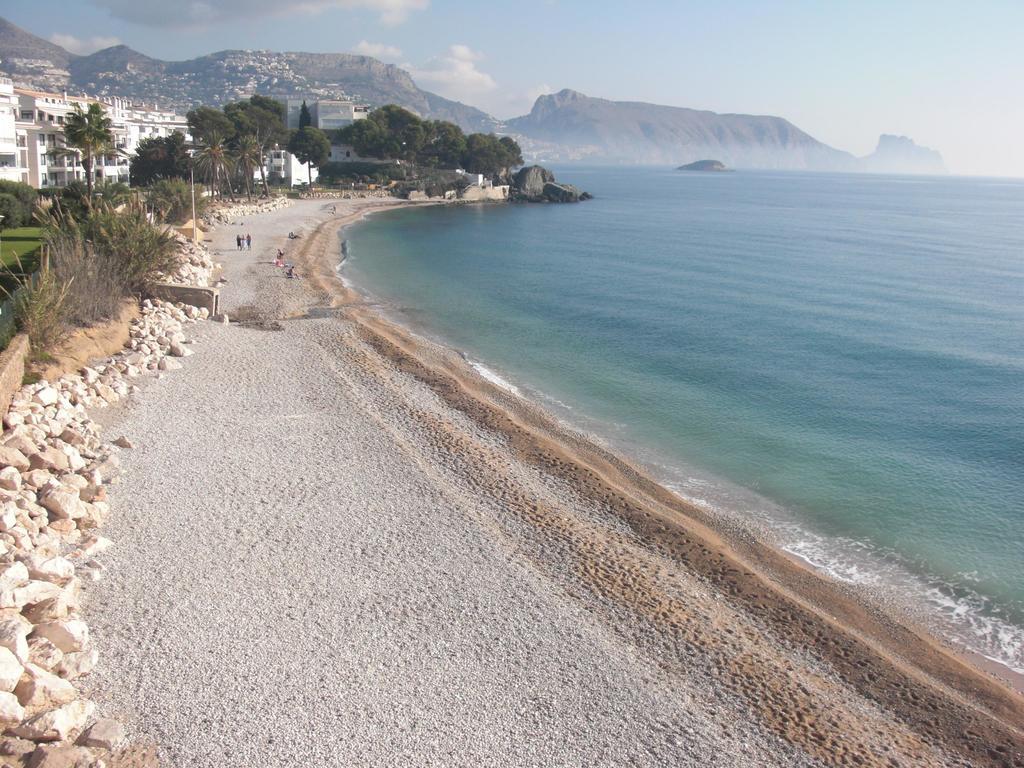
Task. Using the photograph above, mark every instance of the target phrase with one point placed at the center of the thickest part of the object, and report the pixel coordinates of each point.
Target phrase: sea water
(839, 358)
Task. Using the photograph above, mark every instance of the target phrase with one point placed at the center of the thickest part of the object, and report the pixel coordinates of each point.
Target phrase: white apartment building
(282, 165)
(10, 169)
(39, 130)
(325, 114)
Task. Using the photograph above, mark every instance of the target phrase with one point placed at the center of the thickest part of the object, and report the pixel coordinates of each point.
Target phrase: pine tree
(304, 117)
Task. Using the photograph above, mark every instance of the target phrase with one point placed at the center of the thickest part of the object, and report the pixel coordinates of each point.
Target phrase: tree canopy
(305, 118)
(392, 132)
(207, 124)
(89, 132)
(311, 147)
(160, 157)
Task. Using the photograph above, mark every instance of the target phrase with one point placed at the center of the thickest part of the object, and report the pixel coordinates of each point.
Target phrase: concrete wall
(477, 194)
(12, 369)
(195, 296)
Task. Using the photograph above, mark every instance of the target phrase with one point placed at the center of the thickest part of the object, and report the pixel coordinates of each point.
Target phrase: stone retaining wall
(12, 369)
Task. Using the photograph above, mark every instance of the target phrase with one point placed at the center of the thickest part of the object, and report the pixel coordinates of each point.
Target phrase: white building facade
(326, 114)
(38, 132)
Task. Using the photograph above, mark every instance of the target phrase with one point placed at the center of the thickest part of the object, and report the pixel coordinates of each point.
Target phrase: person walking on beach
(238, 241)
(248, 242)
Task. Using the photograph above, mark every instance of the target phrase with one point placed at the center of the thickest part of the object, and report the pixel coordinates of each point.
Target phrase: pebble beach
(336, 545)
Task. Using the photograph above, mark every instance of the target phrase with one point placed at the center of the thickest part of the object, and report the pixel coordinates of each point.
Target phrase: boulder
(10, 670)
(11, 711)
(563, 193)
(528, 183)
(40, 688)
(75, 665)
(50, 458)
(10, 478)
(56, 724)
(13, 631)
(47, 396)
(55, 569)
(12, 457)
(45, 654)
(63, 756)
(70, 635)
(103, 734)
(61, 502)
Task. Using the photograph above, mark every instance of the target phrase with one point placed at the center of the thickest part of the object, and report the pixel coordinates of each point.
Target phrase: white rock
(56, 724)
(70, 635)
(55, 569)
(104, 734)
(12, 457)
(12, 576)
(10, 478)
(76, 665)
(34, 592)
(43, 653)
(11, 711)
(47, 396)
(10, 670)
(61, 502)
(40, 688)
(13, 631)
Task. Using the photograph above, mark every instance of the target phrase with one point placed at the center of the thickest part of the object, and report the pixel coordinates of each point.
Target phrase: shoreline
(909, 645)
(757, 646)
(917, 616)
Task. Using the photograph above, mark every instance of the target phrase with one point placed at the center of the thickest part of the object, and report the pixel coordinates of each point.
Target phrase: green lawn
(22, 242)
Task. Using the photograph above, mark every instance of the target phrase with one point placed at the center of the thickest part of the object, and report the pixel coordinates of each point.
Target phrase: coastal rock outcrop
(535, 184)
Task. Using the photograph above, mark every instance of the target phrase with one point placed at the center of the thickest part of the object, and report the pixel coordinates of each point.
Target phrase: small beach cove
(338, 545)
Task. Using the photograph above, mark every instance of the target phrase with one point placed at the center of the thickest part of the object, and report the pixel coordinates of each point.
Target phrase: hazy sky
(948, 74)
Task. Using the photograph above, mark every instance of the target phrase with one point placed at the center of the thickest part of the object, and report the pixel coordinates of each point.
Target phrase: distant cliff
(569, 125)
(898, 154)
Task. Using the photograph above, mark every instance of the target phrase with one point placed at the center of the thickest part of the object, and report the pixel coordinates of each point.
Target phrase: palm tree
(248, 156)
(214, 159)
(90, 133)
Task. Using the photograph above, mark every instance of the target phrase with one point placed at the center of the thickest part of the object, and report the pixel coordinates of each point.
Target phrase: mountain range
(565, 126)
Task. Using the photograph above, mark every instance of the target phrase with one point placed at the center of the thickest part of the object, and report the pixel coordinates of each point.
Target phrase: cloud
(454, 74)
(377, 50)
(193, 12)
(83, 45)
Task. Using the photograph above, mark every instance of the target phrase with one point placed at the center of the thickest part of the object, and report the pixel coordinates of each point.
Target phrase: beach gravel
(294, 583)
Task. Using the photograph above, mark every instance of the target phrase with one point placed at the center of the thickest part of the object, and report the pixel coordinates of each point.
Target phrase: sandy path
(326, 557)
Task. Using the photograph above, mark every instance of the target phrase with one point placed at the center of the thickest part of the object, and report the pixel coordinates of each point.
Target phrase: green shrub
(40, 307)
(14, 212)
(171, 200)
(106, 257)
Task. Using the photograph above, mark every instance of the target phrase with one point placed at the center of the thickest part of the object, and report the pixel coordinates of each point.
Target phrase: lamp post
(192, 180)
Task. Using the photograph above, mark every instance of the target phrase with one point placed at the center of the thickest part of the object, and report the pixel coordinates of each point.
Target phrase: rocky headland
(534, 184)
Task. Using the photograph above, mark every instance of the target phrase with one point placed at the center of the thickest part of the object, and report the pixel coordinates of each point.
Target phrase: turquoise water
(839, 356)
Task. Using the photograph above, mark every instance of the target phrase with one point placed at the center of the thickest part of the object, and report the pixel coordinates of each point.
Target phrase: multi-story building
(325, 114)
(39, 128)
(10, 168)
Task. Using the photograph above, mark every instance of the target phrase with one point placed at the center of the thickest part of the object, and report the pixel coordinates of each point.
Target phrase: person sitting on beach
(290, 271)
(278, 262)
